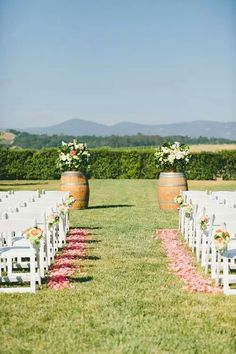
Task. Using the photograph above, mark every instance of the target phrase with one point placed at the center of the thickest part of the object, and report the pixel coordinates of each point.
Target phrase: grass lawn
(126, 301)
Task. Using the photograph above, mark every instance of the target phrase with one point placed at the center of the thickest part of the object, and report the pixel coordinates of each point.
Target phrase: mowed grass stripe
(127, 301)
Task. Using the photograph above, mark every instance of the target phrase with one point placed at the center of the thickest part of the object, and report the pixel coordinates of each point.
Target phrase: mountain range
(78, 127)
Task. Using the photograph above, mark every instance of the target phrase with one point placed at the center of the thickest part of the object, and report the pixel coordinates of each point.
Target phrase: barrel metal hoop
(164, 202)
(171, 174)
(172, 185)
(74, 184)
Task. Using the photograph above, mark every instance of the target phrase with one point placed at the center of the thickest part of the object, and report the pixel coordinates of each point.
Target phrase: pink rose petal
(66, 263)
(181, 263)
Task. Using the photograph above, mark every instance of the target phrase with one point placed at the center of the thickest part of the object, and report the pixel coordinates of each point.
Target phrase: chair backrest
(14, 225)
(39, 216)
(9, 207)
(230, 226)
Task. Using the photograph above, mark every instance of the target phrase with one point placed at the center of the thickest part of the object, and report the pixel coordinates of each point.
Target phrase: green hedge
(228, 171)
(113, 163)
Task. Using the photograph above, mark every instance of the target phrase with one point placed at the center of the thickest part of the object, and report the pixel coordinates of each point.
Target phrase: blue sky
(144, 61)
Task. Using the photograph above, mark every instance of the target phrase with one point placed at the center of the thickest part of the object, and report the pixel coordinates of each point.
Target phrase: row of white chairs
(20, 261)
(220, 207)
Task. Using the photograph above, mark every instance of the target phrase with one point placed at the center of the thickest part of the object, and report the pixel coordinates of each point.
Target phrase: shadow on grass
(112, 206)
(80, 279)
(86, 227)
(22, 184)
(75, 279)
(91, 258)
(92, 241)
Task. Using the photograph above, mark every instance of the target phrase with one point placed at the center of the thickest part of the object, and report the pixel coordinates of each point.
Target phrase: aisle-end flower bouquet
(171, 156)
(221, 239)
(179, 199)
(69, 200)
(204, 220)
(62, 209)
(34, 235)
(52, 220)
(73, 156)
(188, 210)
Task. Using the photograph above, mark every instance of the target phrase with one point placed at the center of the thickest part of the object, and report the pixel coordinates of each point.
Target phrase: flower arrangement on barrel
(73, 156)
(169, 158)
(73, 161)
(172, 156)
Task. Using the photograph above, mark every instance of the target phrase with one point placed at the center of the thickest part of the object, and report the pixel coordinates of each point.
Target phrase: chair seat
(20, 242)
(20, 251)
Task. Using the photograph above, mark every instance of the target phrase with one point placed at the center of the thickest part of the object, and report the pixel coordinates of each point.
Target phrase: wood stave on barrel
(76, 183)
(170, 184)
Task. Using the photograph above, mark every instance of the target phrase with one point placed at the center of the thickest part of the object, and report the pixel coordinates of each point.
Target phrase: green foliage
(43, 165)
(229, 166)
(17, 163)
(113, 163)
(3, 163)
(105, 163)
(205, 165)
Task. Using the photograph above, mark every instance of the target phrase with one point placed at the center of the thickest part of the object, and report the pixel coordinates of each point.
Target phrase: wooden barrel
(170, 184)
(76, 183)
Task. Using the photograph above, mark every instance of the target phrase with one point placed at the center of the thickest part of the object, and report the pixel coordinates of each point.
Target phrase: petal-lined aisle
(181, 263)
(67, 262)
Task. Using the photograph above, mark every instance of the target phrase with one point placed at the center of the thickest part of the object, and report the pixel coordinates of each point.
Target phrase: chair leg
(213, 263)
(218, 264)
(225, 274)
(32, 273)
(9, 267)
(208, 255)
(198, 243)
(204, 250)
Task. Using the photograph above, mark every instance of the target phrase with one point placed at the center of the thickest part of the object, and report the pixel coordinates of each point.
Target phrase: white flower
(171, 158)
(63, 157)
(171, 154)
(179, 155)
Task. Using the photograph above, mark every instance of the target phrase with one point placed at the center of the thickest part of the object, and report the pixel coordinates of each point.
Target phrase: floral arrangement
(221, 239)
(73, 156)
(34, 235)
(179, 199)
(69, 200)
(204, 220)
(52, 220)
(170, 155)
(188, 210)
(62, 209)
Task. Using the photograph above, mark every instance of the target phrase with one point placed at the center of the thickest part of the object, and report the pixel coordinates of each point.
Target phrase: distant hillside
(78, 127)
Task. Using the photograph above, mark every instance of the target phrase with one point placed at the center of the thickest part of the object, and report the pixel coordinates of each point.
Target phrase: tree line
(38, 141)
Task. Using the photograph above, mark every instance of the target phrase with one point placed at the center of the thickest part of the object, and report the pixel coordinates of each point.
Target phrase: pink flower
(72, 153)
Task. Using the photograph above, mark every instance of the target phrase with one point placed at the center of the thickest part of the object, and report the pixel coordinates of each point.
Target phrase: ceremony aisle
(124, 298)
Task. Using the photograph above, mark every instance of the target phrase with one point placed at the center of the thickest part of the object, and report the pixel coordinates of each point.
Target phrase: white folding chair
(12, 250)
